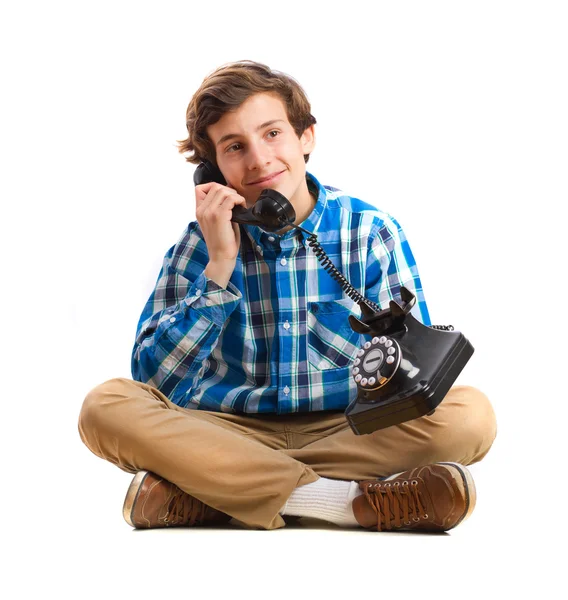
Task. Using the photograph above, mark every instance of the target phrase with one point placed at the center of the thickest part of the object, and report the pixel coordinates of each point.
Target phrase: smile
(266, 180)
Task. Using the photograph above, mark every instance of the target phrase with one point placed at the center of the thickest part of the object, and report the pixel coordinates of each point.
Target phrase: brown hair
(226, 89)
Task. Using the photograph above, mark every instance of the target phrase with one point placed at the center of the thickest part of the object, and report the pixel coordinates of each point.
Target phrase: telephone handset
(272, 211)
(407, 368)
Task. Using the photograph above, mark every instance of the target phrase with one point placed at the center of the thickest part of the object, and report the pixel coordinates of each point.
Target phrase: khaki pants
(248, 465)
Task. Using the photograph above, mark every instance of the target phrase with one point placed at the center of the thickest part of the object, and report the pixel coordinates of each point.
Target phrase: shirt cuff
(211, 300)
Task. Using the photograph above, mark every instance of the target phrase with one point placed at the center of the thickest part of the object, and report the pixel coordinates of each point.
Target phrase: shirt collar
(311, 224)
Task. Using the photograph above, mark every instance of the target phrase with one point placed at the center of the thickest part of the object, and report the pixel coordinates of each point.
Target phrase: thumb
(237, 231)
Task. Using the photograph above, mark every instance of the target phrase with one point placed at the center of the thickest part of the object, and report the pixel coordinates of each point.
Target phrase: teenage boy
(242, 364)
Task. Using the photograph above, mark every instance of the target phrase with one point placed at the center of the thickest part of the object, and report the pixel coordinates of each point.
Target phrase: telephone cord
(332, 270)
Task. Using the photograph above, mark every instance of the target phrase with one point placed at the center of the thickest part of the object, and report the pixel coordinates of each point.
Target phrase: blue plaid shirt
(277, 339)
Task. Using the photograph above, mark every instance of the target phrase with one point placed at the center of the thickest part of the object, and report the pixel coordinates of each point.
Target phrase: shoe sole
(468, 485)
(131, 496)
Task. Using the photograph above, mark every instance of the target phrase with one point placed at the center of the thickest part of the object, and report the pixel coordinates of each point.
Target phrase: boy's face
(257, 148)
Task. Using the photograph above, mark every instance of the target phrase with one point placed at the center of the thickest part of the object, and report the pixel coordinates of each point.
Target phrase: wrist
(220, 271)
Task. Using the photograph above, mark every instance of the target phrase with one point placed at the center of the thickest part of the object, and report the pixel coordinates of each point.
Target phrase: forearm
(175, 354)
(220, 272)
(172, 345)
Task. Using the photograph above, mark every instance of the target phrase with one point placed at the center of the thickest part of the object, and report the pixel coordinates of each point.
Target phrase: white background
(451, 116)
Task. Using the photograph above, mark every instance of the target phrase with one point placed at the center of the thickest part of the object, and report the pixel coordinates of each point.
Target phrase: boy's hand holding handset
(214, 205)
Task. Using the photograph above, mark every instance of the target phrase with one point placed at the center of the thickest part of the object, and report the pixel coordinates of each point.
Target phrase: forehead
(252, 113)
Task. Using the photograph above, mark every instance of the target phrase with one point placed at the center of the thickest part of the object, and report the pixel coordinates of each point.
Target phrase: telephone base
(366, 415)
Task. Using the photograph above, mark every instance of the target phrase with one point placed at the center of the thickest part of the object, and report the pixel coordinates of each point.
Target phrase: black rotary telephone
(407, 368)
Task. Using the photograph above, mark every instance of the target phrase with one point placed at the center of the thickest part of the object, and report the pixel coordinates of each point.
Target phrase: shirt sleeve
(390, 266)
(182, 320)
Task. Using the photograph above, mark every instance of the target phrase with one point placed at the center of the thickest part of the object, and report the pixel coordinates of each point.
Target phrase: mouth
(266, 180)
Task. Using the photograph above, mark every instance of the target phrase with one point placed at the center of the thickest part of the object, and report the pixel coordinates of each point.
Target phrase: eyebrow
(230, 136)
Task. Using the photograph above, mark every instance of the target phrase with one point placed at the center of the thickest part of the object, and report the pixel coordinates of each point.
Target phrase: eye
(233, 148)
(273, 133)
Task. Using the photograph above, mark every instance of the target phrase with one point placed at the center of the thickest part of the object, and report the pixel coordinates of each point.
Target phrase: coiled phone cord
(339, 277)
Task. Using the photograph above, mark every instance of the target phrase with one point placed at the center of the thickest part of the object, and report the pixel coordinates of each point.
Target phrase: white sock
(326, 499)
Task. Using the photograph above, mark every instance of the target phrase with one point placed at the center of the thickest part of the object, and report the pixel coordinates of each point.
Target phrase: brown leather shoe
(151, 501)
(431, 498)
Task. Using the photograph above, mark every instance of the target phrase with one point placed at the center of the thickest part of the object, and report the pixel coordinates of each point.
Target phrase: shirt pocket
(332, 344)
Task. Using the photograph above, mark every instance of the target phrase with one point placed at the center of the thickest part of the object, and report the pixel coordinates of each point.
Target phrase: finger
(223, 199)
(233, 200)
(206, 204)
(211, 192)
(237, 233)
(203, 190)
(205, 187)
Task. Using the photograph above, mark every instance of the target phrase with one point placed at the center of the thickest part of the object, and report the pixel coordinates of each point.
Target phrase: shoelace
(394, 502)
(185, 509)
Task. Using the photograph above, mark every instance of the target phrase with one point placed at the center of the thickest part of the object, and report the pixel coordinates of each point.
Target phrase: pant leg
(230, 462)
(462, 429)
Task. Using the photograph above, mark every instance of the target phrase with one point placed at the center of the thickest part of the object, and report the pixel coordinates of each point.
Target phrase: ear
(308, 139)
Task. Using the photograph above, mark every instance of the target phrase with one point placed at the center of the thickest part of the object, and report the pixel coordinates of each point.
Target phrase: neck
(303, 211)
(303, 206)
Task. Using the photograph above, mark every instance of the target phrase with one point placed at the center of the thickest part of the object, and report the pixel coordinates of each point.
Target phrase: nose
(257, 156)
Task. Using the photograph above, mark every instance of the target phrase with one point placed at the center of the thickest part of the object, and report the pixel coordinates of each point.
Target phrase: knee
(471, 424)
(95, 408)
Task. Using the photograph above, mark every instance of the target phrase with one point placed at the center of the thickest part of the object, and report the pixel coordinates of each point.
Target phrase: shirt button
(271, 238)
(286, 325)
(173, 320)
(283, 261)
(208, 303)
(286, 390)
(259, 249)
(198, 293)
